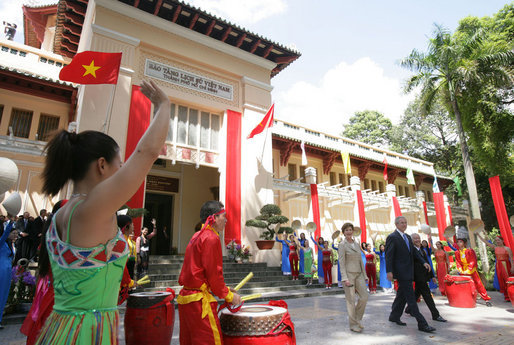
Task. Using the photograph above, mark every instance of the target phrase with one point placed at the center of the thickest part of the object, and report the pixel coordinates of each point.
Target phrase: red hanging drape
(501, 212)
(233, 178)
(362, 216)
(440, 214)
(315, 210)
(426, 212)
(396, 207)
(139, 120)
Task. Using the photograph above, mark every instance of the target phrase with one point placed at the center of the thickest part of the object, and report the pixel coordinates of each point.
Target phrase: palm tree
(451, 66)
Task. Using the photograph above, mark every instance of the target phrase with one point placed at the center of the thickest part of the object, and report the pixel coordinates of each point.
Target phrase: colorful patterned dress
(86, 283)
(307, 262)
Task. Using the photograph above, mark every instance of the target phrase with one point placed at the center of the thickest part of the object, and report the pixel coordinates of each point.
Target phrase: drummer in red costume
(202, 273)
(466, 260)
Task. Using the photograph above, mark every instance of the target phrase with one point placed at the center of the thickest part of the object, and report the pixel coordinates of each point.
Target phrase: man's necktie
(406, 241)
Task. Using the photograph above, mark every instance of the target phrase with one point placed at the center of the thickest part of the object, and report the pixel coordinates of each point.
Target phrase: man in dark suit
(35, 233)
(23, 225)
(421, 278)
(400, 256)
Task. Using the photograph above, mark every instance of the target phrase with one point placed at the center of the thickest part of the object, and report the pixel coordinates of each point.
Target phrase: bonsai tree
(270, 217)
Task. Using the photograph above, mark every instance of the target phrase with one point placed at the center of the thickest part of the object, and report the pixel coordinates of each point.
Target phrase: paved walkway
(323, 320)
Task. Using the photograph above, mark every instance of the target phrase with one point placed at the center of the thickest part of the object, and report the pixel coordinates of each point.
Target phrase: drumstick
(144, 280)
(244, 281)
(249, 297)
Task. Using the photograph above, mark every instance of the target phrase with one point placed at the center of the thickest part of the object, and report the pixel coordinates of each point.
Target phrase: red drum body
(258, 324)
(510, 289)
(460, 291)
(282, 339)
(150, 317)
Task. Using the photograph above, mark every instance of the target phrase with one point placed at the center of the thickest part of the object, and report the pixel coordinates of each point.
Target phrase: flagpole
(107, 122)
(265, 140)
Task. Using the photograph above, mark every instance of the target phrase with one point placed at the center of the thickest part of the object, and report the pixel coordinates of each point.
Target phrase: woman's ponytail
(59, 162)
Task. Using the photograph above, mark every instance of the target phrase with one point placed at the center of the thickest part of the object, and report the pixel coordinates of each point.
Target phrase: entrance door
(160, 207)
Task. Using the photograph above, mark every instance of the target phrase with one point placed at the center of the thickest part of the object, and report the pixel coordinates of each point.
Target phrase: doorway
(160, 207)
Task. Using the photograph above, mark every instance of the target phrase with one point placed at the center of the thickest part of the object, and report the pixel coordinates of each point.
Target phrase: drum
(150, 317)
(510, 289)
(460, 291)
(257, 324)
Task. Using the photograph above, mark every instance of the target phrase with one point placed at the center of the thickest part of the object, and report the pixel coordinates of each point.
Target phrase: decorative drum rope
(251, 320)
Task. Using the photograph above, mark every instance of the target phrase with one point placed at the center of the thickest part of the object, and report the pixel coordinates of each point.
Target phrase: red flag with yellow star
(90, 67)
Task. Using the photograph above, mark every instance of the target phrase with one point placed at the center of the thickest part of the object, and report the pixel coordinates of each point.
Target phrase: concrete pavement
(323, 320)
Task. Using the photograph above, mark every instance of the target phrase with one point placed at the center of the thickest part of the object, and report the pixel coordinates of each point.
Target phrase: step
(228, 275)
(234, 281)
(306, 291)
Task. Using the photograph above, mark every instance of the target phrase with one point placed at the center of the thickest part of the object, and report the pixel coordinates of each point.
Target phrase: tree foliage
(370, 127)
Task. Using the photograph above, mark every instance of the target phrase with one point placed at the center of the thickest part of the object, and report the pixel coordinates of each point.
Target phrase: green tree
(370, 127)
(446, 71)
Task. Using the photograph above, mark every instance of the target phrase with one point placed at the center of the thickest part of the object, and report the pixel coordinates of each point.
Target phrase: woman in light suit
(353, 276)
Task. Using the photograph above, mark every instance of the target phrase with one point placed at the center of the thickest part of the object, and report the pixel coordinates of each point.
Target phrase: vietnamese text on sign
(189, 80)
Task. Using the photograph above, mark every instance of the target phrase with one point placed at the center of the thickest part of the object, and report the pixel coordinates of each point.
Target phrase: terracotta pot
(265, 244)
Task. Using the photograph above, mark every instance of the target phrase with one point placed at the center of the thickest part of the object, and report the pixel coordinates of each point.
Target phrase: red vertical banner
(501, 212)
(233, 177)
(362, 216)
(139, 120)
(396, 207)
(315, 210)
(440, 214)
(426, 212)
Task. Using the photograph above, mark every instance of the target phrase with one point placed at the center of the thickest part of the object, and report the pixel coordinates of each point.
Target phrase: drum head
(147, 299)
(251, 320)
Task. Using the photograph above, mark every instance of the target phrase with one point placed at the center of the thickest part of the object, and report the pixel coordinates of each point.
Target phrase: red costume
(503, 268)
(202, 273)
(293, 261)
(42, 306)
(371, 272)
(466, 260)
(441, 268)
(327, 267)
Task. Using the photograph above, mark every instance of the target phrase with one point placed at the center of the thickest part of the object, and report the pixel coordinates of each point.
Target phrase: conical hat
(336, 234)
(8, 174)
(12, 204)
(449, 232)
(512, 220)
(311, 227)
(357, 230)
(426, 229)
(296, 224)
(476, 225)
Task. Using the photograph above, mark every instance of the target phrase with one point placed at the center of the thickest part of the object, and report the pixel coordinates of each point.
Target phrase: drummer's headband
(212, 218)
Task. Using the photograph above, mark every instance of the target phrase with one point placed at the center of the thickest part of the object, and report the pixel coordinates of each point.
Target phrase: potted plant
(232, 250)
(245, 254)
(270, 217)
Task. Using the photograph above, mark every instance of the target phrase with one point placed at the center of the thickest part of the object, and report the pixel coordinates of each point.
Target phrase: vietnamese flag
(90, 67)
(266, 122)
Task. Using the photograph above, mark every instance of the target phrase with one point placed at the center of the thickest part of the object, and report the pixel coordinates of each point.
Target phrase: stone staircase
(268, 281)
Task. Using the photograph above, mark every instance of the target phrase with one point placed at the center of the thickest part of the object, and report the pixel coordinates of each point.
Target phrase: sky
(350, 49)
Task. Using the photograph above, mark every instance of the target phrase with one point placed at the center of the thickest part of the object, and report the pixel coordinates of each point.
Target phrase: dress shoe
(439, 318)
(398, 322)
(426, 328)
(489, 304)
(355, 329)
